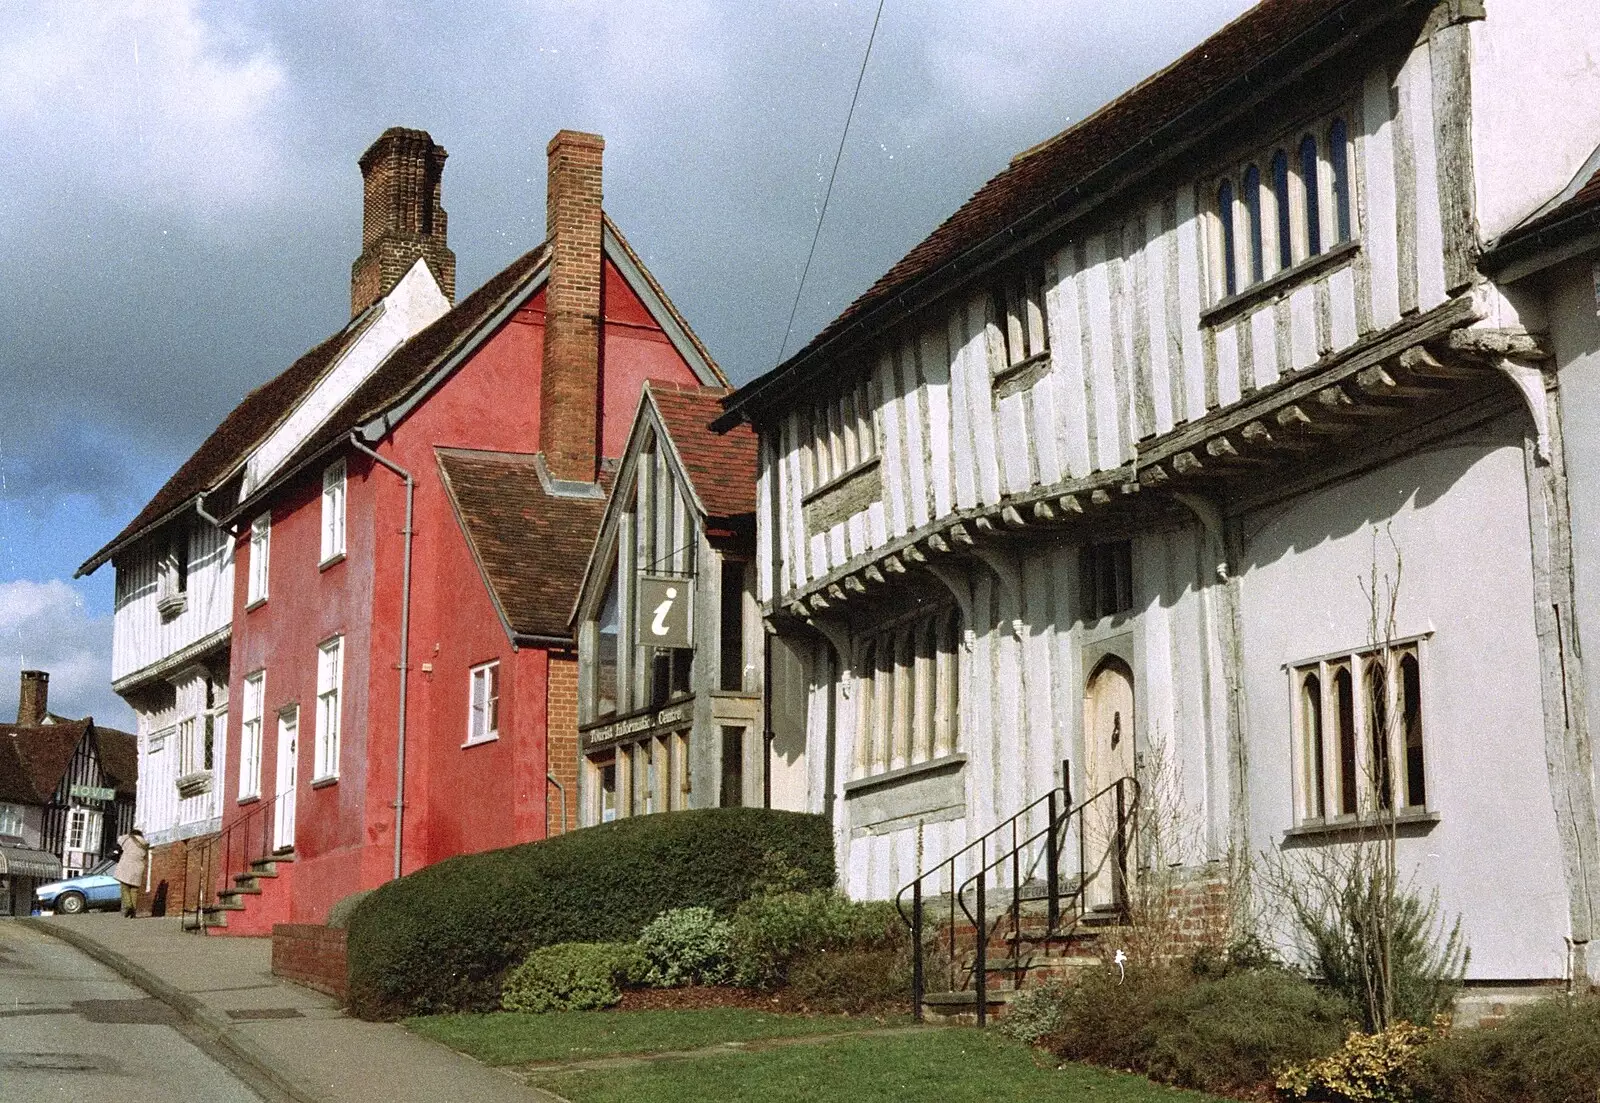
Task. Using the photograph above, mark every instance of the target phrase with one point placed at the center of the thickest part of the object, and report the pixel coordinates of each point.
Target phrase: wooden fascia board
(664, 317)
(380, 423)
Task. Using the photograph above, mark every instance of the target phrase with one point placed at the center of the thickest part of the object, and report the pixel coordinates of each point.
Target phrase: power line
(827, 195)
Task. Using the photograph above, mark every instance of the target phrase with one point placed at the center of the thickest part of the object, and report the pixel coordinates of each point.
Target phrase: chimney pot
(33, 698)
(402, 216)
(570, 381)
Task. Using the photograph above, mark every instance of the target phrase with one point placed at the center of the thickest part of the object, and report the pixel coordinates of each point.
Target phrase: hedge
(441, 939)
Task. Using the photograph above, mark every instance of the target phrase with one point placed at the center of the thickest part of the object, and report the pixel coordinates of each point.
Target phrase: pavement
(292, 1043)
(73, 1030)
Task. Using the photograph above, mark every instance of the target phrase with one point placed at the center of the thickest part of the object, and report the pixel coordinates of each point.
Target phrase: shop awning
(24, 861)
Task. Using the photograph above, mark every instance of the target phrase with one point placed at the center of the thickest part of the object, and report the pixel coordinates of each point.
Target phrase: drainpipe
(562, 789)
(405, 647)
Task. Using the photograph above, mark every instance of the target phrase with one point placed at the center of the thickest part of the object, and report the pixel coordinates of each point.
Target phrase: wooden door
(288, 777)
(1108, 753)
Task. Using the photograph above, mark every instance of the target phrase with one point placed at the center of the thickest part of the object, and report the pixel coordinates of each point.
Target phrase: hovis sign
(664, 611)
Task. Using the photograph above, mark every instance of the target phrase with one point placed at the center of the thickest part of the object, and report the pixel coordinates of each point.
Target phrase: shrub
(1102, 1018)
(771, 931)
(1371, 1068)
(1231, 1034)
(572, 976)
(686, 946)
(1223, 1035)
(1036, 1012)
(852, 981)
(1547, 1052)
(441, 939)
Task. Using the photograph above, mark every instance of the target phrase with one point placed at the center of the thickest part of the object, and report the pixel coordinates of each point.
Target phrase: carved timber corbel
(1530, 383)
(1010, 576)
(1210, 518)
(956, 582)
(836, 633)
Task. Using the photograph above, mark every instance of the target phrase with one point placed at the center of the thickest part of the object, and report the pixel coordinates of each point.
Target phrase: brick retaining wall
(178, 870)
(312, 955)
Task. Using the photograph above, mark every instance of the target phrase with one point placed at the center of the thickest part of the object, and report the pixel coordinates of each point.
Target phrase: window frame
(1374, 756)
(330, 710)
(907, 677)
(840, 436)
(11, 815)
(255, 698)
(257, 584)
(334, 499)
(489, 674)
(1321, 220)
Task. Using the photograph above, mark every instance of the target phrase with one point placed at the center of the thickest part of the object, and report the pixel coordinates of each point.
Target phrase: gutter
(405, 647)
(1195, 124)
(1517, 255)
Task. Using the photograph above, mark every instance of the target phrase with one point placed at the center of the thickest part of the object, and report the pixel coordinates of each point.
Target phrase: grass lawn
(505, 1038)
(951, 1065)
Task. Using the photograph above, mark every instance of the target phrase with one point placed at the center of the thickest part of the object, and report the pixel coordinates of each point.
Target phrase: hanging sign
(664, 611)
(93, 792)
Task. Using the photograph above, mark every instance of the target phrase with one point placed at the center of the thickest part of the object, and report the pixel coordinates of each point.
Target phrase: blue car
(95, 888)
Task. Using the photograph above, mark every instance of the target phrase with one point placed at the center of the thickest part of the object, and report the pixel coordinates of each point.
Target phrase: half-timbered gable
(670, 643)
(1236, 475)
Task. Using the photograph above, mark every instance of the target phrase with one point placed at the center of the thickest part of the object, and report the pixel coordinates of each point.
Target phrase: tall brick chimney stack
(569, 401)
(33, 699)
(402, 218)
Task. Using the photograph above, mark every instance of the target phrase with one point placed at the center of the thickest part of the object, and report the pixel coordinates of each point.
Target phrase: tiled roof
(720, 466)
(530, 546)
(1058, 170)
(230, 442)
(41, 753)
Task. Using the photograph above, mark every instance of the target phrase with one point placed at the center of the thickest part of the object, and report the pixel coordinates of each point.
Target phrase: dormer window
(1272, 220)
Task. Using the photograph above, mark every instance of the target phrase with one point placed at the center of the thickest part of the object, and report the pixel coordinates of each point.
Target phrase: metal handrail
(244, 831)
(1055, 834)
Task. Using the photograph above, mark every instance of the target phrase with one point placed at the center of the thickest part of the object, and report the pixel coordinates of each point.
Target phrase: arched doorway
(1108, 756)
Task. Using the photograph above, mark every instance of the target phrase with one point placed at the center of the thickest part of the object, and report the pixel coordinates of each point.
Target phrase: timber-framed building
(1198, 445)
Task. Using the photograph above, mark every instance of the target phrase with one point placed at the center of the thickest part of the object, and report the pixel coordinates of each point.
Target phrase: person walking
(130, 869)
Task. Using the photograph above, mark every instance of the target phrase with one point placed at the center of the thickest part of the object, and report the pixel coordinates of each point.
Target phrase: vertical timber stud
(1569, 754)
(1226, 548)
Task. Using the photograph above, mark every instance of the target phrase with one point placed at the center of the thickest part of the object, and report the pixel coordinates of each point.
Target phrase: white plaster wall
(1459, 515)
(140, 635)
(1535, 103)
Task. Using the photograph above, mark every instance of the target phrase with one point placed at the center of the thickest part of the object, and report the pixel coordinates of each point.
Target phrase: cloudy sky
(180, 203)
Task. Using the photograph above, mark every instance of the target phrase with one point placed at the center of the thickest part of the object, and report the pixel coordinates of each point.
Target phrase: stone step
(955, 1001)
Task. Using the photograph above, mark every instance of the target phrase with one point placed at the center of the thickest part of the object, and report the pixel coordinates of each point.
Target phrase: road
(72, 1030)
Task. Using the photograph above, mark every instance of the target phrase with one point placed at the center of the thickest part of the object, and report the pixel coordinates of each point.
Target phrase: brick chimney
(569, 402)
(402, 218)
(33, 698)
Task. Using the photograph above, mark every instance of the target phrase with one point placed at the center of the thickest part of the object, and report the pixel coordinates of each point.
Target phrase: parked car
(95, 888)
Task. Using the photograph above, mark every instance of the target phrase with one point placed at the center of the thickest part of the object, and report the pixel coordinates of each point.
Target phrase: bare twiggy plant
(1364, 931)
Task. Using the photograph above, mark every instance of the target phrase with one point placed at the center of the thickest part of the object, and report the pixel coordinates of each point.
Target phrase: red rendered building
(409, 545)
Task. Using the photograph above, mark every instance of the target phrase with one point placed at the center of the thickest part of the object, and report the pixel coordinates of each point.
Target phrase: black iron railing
(1023, 856)
(213, 863)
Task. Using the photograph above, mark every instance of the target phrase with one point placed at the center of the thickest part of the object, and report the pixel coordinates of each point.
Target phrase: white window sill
(255, 603)
(171, 605)
(951, 761)
(492, 737)
(324, 782)
(250, 798)
(332, 561)
(1407, 822)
